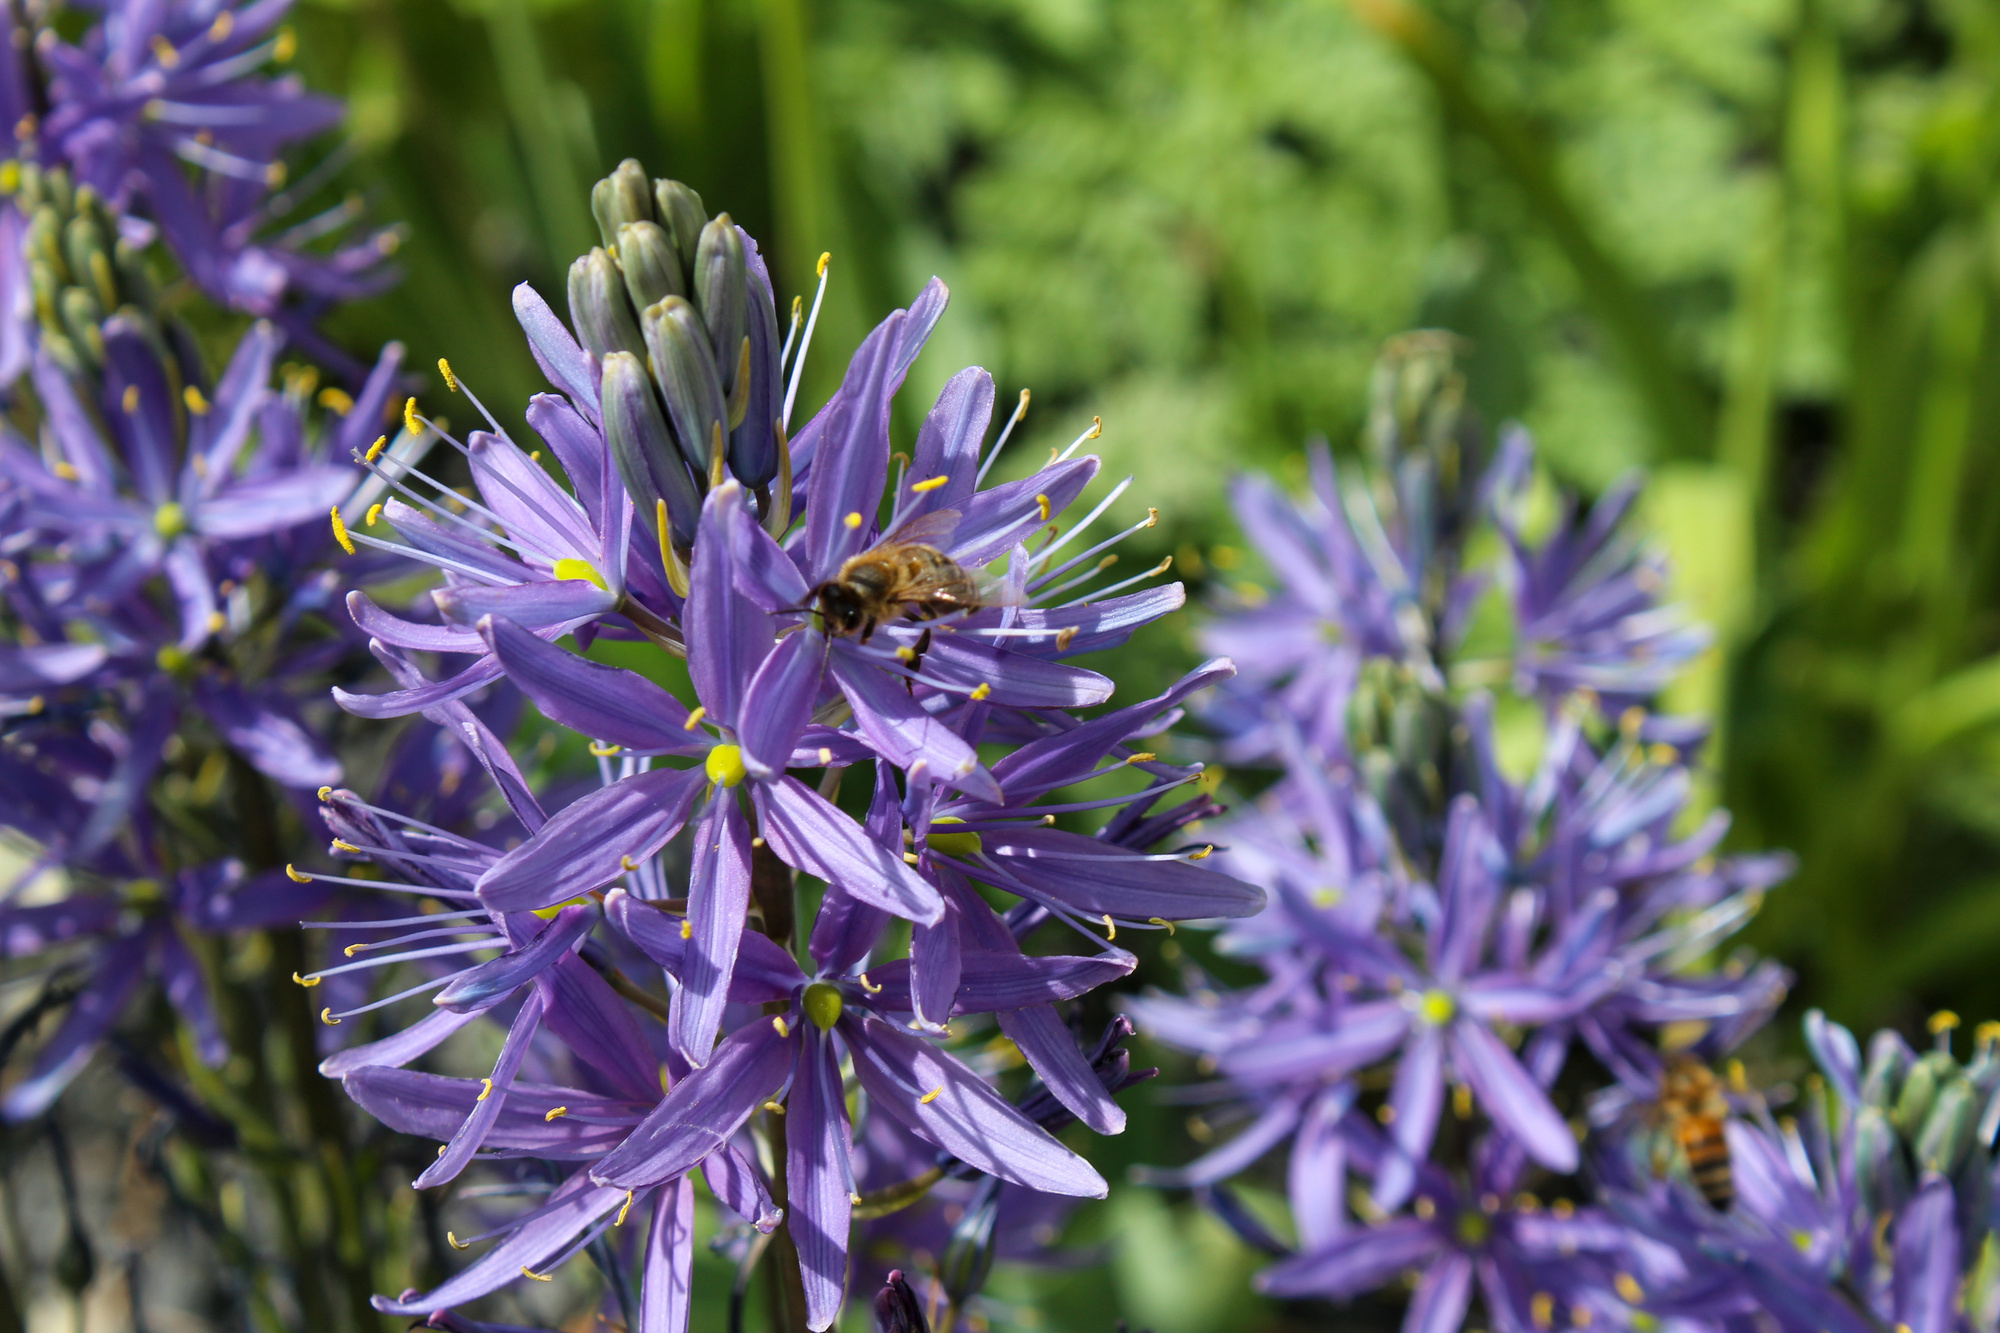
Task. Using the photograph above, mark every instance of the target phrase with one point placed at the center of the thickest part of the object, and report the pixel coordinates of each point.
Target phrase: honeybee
(1690, 1112)
(898, 576)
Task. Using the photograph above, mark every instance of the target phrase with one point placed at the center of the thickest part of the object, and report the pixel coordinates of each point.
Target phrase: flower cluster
(1457, 945)
(838, 617)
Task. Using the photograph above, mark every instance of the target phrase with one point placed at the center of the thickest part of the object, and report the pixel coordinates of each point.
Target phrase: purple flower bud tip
(897, 1309)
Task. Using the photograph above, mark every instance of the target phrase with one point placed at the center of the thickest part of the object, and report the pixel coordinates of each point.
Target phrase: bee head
(840, 608)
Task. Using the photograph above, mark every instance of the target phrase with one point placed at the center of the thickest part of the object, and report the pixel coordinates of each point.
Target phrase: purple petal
(1094, 878)
(1017, 679)
(393, 629)
(1271, 1127)
(434, 1107)
(187, 991)
(704, 1110)
(584, 845)
(121, 966)
(27, 669)
(538, 514)
(947, 1104)
(718, 898)
(764, 970)
(567, 366)
(1042, 765)
(1050, 1049)
(26, 931)
(817, 1140)
(734, 632)
(576, 443)
(779, 702)
(599, 1027)
(1927, 1260)
(472, 1133)
(276, 744)
(848, 928)
(897, 727)
(1416, 1096)
(1439, 1303)
(401, 703)
(486, 985)
(666, 1296)
(531, 605)
(813, 835)
(1513, 1099)
(949, 442)
(851, 463)
(609, 704)
(738, 1186)
(935, 962)
(273, 503)
(576, 1203)
(1365, 1034)
(1356, 1262)
(420, 1038)
(1317, 1171)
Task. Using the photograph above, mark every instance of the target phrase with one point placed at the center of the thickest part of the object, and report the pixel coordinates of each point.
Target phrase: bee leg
(867, 629)
(917, 662)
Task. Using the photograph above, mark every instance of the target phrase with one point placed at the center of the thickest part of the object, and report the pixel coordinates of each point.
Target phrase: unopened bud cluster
(81, 269)
(677, 308)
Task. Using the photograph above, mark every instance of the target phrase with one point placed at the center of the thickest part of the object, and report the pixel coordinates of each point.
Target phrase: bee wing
(999, 590)
(930, 529)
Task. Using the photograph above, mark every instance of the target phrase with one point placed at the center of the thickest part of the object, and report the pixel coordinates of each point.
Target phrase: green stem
(552, 175)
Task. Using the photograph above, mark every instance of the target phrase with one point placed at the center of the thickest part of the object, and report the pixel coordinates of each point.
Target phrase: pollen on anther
(825, 258)
(928, 484)
(375, 449)
(352, 949)
(1110, 927)
(296, 875)
(556, 1113)
(774, 1108)
(694, 718)
(340, 532)
(981, 691)
(1201, 855)
(530, 1273)
(869, 986)
(629, 1195)
(305, 981)
(628, 863)
(195, 402)
(485, 1089)
(410, 422)
(450, 380)
(326, 1017)
(687, 929)
(853, 520)
(1162, 921)
(825, 756)
(778, 1023)
(605, 751)
(374, 512)
(345, 846)
(456, 1243)
(1042, 506)
(931, 1096)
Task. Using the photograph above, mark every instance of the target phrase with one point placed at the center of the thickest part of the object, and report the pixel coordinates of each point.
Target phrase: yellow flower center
(170, 520)
(1436, 1008)
(951, 844)
(569, 567)
(549, 913)
(725, 765)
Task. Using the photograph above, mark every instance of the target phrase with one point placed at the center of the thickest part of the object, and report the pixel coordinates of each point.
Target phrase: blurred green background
(1749, 245)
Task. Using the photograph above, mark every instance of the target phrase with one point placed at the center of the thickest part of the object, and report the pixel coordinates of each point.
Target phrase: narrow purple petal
(1317, 1169)
(420, 1038)
(935, 961)
(530, 605)
(817, 1139)
(848, 928)
(732, 633)
(1093, 878)
(1513, 1099)
(599, 1027)
(779, 702)
(1439, 1303)
(576, 1204)
(434, 1107)
(949, 1105)
(1017, 679)
(1051, 1051)
(459, 1151)
(738, 1185)
(608, 704)
(584, 846)
(667, 1275)
(1271, 1127)
(704, 1110)
(764, 971)
(718, 899)
(567, 366)
(1365, 1034)
(949, 442)
(1927, 1260)
(1356, 1262)
(483, 986)
(896, 727)
(1416, 1096)
(813, 835)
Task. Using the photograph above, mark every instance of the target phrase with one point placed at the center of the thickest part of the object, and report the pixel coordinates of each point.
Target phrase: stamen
(629, 1195)
(326, 1015)
(1110, 927)
(1162, 922)
(1105, 592)
(1096, 429)
(375, 449)
(538, 1277)
(931, 1096)
(456, 1243)
(556, 1113)
(450, 380)
(869, 986)
(305, 981)
(774, 1108)
(485, 1089)
(1020, 410)
(1152, 518)
(605, 751)
(791, 334)
(687, 933)
(340, 532)
(927, 486)
(798, 366)
(980, 691)
(695, 717)
(374, 512)
(778, 1022)
(297, 876)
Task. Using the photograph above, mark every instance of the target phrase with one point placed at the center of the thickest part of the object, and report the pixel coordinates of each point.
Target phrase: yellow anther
(869, 986)
(1096, 428)
(825, 756)
(1042, 506)
(1201, 855)
(687, 929)
(287, 45)
(345, 846)
(1944, 1020)
(450, 380)
(163, 51)
(352, 949)
(410, 422)
(778, 1022)
(216, 621)
(906, 654)
(375, 449)
(274, 175)
(296, 875)
(774, 1108)
(456, 1243)
(571, 568)
(1461, 1100)
(556, 1113)
(67, 471)
(1739, 1083)
(604, 751)
(326, 1017)
(531, 1274)
(1064, 638)
(225, 23)
(826, 257)
(628, 863)
(1542, 1309)
(1143, 757)
(910, 857)
(1662, 754)
(694, 719)
(1629, 1289)
(1110, 927)
(1987, 1032)
(853, 520)
(725, 765)
(485, 1089)
(931, 1096)
(130, 399)
(195, 402)
(534, 455)
(340, 532)
(1162, 922)
(626, 1208)
(305, 981)
(322, 793)
(337, 401)
(982, 690)
(928, 485)
(374, 512)
(1631, 720)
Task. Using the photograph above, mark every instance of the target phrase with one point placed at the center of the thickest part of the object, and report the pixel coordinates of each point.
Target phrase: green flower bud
(968, 1255)
(599, 308)
(1888, 1062)
(83, 246)
(652, 265)
(80, 317)
(44, 244)
(1947, 1130)
(643, 449)
(684, 364)
(620, 198)
(721, 294)
(1920, 1089)
(682, 214)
